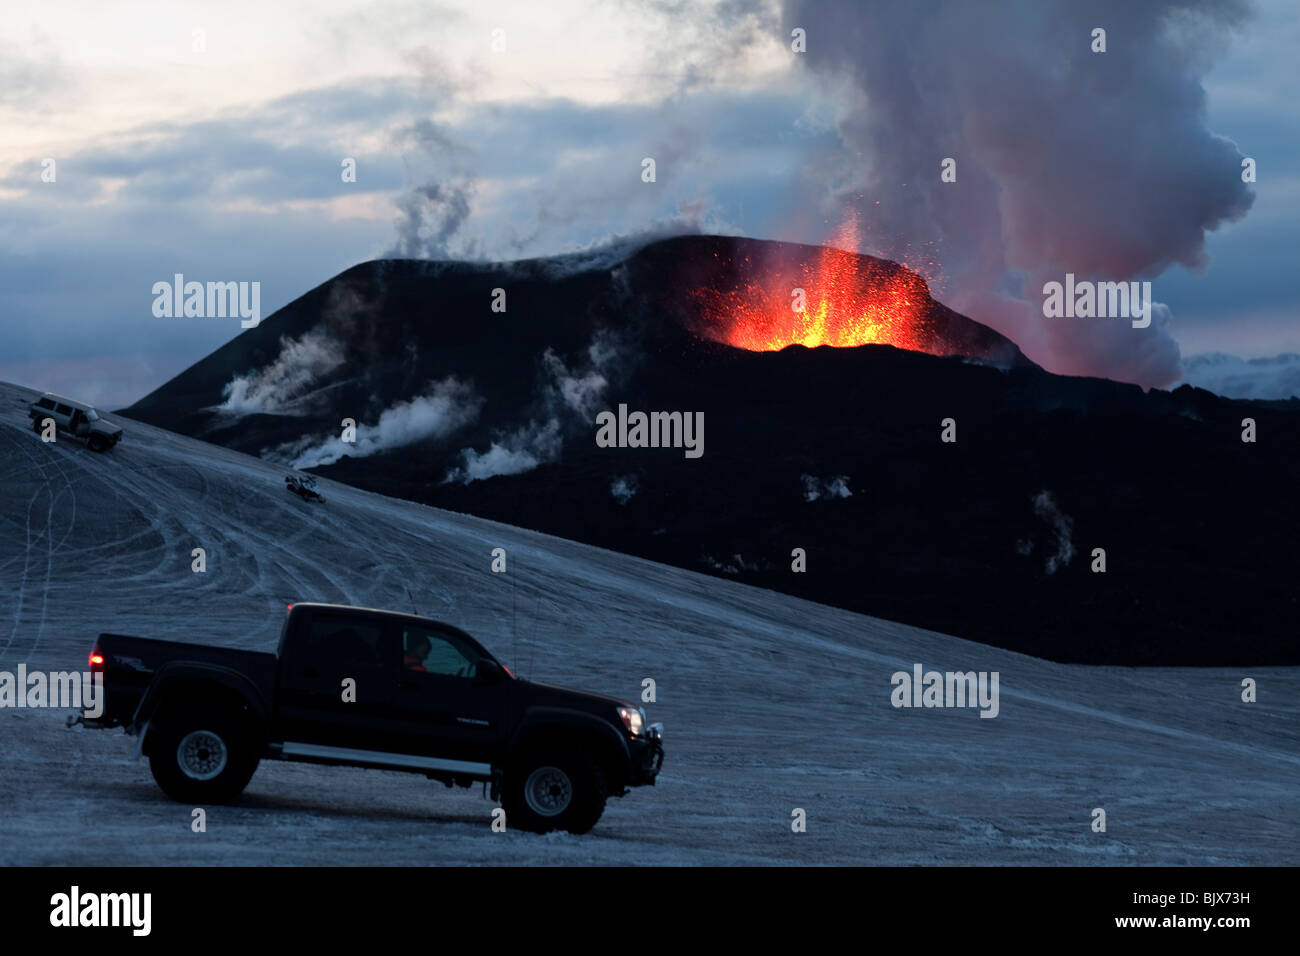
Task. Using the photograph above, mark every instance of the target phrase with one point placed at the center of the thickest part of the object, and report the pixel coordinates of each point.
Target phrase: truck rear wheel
(554, 790)
(201, 759)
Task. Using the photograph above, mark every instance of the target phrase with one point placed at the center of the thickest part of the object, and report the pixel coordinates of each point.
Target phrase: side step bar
(319, 753)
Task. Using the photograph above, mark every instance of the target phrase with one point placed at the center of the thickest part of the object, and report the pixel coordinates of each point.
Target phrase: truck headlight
(633, 720)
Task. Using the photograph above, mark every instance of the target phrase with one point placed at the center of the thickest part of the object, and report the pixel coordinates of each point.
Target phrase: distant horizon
(1203, 362)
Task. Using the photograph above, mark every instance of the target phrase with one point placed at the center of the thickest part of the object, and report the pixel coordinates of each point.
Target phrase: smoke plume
(570, 398)
(287, 386)
(1098, 164)
(277, 388)
(449, 406)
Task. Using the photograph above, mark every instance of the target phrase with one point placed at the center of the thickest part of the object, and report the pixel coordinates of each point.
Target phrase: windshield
(91, 415)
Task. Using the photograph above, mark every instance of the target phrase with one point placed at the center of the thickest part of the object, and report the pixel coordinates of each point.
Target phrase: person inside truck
(417, 649)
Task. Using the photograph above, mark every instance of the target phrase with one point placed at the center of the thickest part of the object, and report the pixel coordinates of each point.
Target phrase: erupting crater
(835, 297)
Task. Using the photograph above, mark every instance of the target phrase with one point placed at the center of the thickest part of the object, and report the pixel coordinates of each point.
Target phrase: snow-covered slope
(771, 703)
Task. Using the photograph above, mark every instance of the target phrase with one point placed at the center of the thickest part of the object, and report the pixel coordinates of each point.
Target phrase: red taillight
(290, 607)
(509, 671)
(96, 660)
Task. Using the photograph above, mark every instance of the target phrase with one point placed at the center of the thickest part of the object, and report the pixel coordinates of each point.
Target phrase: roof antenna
(532, 647)
(411, 598)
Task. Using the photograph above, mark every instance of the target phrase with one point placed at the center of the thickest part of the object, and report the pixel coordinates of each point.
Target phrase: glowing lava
(848, 300)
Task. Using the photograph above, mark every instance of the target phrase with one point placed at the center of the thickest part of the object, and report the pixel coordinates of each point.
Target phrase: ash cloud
(1099, 164)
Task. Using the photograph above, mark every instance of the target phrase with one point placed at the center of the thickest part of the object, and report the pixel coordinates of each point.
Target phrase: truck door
(443, 707)
(337, 673)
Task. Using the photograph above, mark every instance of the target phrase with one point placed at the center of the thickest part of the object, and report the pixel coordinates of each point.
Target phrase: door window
(339, 644)
(433, 652)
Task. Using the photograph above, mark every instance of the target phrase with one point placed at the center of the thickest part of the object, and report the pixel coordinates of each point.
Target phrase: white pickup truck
(75, 418)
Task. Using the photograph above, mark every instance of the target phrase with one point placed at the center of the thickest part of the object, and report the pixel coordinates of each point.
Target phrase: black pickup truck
(380, 689)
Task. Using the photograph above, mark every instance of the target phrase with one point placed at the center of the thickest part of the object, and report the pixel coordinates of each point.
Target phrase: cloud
(32, 76)
(287, 149)
(1277, 377)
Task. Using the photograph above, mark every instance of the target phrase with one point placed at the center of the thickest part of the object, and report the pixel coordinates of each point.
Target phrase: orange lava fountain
(849, 300)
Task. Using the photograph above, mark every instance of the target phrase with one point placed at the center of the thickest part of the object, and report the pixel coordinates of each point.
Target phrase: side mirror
(487, 671)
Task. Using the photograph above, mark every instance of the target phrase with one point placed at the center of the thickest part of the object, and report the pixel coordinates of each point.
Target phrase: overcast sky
(207, 139)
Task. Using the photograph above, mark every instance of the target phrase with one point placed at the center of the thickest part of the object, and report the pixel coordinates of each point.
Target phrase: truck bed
(131, 662)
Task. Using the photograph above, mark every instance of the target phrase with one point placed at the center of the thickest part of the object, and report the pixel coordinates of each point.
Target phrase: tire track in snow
(51, 548)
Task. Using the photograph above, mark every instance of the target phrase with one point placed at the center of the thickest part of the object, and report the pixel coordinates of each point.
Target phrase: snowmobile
(304, 487)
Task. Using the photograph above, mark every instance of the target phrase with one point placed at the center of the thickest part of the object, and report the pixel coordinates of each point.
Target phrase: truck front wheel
(554, 790)
(201, 759)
